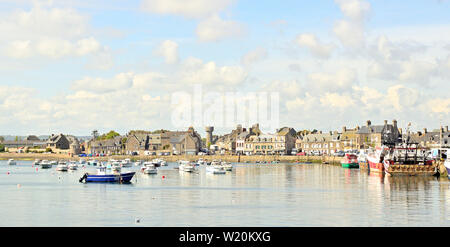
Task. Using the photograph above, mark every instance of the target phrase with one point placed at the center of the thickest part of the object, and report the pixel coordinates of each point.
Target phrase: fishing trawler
(350, 161)
(407, 158)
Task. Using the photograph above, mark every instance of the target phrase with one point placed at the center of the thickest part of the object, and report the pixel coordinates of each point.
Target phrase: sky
(74, 66)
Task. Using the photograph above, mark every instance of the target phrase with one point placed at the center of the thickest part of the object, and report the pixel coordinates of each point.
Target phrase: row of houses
(252, 141)
(142, 142)
(247, 141)
(59, 143)
(369, 136)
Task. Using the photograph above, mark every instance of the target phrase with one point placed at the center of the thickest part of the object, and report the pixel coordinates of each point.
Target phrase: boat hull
(350, 165)
(410, 170)
(110, 178)
(375, 167)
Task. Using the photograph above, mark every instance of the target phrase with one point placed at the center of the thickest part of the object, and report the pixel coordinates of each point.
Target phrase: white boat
(82, 161)
(73, 166)
(36, 162)
(115, 166)
(163, 163)
(215, 162)
(227, 166)
(138, 163)
(186, 166)
(201, 162)
(62, 166)
(149, 168)
(45, 164)
(126, 163)
(93, 163)
(54, 162)
(215, 169)
(12, 162)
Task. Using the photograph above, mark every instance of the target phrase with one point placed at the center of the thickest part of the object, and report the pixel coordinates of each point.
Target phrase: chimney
(446, 129)
(385, 122)
(369, 123)
(425, 130)
(344, 129)
(394, 122)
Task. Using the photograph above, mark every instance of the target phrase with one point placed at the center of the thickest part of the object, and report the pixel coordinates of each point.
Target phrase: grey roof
(371, 129)
(177, 139)
(317, 137)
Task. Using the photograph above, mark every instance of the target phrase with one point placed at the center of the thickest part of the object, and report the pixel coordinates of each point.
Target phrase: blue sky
(72, 67)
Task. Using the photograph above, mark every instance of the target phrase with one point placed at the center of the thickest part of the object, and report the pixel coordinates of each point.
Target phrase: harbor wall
(228, 158)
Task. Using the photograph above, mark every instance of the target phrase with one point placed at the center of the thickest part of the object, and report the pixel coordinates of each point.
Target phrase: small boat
(62, 166)
(227, 166)
(82, 161)
(45, 164)
(138, 163)
(103, 176)
(158, 162)
(447, 164)
(164, 163)
(149, 168)
(114, 166)
(362, 160)
(126, 163)
(73, 166)
(93, 163)
(215, 169)
(186, 166)
(36, 162)
(201, 162)
(350, 161)
(54, 162)
(12, 162)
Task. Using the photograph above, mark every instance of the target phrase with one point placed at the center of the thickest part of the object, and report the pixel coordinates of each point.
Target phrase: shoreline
(228, 158)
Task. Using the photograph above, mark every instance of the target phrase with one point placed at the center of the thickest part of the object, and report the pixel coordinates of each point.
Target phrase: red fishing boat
(375, 159)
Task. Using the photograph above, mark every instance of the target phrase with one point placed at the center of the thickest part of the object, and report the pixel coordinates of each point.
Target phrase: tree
(110, 135)
(2, 139)
(95, 134)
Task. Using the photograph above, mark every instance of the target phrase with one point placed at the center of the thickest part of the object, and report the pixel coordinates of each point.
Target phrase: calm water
(252, 195)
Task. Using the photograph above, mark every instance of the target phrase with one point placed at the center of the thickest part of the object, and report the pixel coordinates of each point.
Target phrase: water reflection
(250, 195)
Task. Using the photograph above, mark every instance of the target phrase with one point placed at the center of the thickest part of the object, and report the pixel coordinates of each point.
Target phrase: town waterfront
(251, 195)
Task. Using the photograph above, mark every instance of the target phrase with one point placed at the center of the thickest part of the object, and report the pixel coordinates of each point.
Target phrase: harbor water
(251, 195)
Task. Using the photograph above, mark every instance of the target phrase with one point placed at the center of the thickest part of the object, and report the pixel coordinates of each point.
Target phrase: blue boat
(103, 176)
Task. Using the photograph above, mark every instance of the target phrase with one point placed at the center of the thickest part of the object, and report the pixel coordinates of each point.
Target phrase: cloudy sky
(73, 66)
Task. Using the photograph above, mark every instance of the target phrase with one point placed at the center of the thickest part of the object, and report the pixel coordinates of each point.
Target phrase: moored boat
(406, 160)
(62, 166)
(186, 166)
(73, 166)
(149, 168)
(45, 164)
(227, 166)
(375, 160)
(215, 169)
(350, 161)
(12, 162)
(103, 176)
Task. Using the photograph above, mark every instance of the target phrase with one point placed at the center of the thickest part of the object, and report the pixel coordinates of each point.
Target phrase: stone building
(185, 142)
(320, 143)
(107, 147)
(371, 136)
(60, 142)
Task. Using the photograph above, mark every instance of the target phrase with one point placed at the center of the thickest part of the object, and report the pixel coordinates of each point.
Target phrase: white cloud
(314, 45)
(342, 80)
(254, 56)
(351, 34)
(216, 29)
(335, 100)
(169, 50)
(190, 9)
(350, 30)
(47, 31)
(194, 71)
(354, 9)
(439, 105)
(120, 81)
